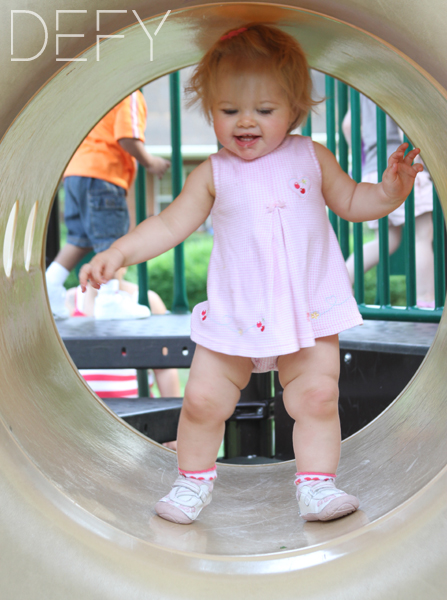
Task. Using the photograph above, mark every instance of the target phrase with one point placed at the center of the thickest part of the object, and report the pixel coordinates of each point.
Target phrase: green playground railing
(350, 236)
(180, 300)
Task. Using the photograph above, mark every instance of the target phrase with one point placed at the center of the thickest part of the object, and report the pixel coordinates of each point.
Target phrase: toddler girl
(278, 289)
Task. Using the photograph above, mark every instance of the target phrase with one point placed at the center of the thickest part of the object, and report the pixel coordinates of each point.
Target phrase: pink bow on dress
(275, 204)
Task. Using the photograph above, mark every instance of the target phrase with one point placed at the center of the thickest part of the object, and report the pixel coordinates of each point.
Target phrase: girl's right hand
(101, 268)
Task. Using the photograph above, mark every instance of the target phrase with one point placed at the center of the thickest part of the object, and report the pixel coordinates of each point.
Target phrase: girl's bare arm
(159, 233)
(358, 202)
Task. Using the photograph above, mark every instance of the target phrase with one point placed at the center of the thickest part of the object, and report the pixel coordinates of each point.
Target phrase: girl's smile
(246, 140)
(251, 114)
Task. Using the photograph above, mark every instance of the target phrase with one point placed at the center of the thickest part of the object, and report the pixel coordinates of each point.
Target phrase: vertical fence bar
(383, 271)
(143, 281)
(439, 250)
(356, 150)
(342, 102)
(330, 133)
(140, 214)
(180, 301)
(143, 383)
(410, 245)
(307, 128)
(330, 114)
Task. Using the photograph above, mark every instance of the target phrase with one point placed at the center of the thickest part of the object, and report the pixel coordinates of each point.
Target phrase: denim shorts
(95, 212)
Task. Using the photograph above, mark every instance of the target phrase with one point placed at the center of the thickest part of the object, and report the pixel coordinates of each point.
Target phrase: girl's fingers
(415, 151)
(97, 273)
(411, 156)
(100, 270)
(402, 147)
(411, 169)
(398, 157)
(91, 273)
(84, 276)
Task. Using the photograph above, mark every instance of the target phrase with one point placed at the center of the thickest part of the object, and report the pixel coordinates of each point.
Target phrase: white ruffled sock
(303, 478)
(207, 475)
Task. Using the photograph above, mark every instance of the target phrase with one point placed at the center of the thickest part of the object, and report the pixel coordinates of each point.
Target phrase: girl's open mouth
(246, 140)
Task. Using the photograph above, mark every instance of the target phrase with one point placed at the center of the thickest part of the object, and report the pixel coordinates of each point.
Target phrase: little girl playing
(278, 289)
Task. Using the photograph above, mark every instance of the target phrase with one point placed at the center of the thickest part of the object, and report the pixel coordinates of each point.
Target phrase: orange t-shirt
(100, 155)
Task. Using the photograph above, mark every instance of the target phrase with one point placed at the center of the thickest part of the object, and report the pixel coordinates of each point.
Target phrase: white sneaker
(322, 501)
(185, 501)
(56, 296)
(113, 304)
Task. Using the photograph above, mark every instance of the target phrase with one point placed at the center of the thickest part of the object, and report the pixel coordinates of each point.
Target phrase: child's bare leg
(371, 251)
(425, 259)
(70, 255)
(212, 392)
(310, 381)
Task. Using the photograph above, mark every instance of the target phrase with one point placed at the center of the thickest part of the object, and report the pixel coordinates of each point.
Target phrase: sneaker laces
(323, 489)
(188, 490)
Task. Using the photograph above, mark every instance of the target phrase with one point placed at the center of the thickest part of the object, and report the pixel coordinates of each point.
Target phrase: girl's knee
(201, 404)
(195, 401)
(317, 401)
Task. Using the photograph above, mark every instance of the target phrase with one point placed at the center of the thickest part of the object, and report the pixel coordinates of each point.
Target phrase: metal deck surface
(163, 340)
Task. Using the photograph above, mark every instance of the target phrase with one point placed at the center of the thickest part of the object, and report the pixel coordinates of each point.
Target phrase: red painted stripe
(119, 394)
(102, 377)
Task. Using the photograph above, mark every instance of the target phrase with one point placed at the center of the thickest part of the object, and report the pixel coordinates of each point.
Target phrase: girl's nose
(246, 120)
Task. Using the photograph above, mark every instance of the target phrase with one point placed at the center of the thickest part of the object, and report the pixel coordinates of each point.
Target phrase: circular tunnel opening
(370, 381)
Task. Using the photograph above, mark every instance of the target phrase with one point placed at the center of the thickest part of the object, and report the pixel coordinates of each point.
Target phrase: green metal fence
(383, 309)
(338, 98)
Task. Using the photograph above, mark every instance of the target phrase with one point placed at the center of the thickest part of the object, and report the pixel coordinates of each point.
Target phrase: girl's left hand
(398, 178)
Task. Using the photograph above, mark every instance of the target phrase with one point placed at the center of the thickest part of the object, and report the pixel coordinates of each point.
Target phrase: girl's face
(251, 114)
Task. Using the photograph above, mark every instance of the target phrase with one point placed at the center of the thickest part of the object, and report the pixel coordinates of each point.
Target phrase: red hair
(255, 48)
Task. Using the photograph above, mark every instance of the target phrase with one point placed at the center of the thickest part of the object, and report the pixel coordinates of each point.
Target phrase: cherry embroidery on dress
(229, 322)
(260, 325)
(300, 185)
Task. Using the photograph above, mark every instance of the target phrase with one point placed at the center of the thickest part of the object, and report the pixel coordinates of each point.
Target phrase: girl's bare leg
(211, 394)
(310, 381)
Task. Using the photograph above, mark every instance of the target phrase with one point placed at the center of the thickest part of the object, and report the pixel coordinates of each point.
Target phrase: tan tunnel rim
(17, 295)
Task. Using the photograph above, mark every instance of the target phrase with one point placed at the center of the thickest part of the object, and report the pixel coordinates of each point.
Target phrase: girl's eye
(229, 111)
(265, 111)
